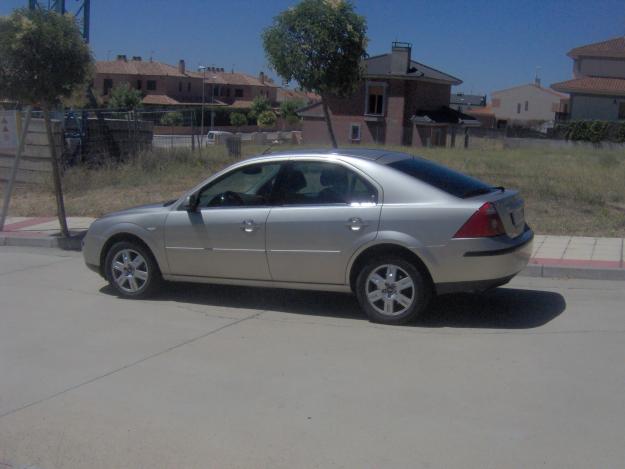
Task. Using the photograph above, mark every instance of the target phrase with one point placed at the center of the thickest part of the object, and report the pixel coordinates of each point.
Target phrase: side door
(324, 211)
(225, 236)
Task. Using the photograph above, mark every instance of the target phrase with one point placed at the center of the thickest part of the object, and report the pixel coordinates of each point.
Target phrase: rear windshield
(441, 177)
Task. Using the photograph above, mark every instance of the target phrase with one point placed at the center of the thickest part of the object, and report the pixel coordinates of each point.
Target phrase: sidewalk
(43, 232)
(553, 256)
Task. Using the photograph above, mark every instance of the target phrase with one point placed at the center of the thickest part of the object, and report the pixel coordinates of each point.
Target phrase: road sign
(8, 130)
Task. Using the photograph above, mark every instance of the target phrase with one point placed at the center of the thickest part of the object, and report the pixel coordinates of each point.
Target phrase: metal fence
(98, 136)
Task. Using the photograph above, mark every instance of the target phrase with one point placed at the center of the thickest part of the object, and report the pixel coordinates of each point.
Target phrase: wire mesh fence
(98, 136)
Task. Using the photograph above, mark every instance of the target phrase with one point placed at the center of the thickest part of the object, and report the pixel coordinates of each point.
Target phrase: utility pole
(202, 68)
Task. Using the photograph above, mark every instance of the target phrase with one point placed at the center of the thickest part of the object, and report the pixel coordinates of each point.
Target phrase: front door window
(250, 186)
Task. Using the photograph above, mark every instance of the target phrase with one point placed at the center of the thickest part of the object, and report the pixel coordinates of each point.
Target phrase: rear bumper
(479, 264)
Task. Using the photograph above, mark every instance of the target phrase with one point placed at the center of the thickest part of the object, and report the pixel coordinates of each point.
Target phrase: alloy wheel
(129, 270)
(390, 290)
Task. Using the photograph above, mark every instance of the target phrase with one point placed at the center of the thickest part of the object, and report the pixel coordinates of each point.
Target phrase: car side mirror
(190, 203)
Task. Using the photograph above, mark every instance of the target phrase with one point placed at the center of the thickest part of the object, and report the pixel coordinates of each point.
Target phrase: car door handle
(249, 226)
(355, 224)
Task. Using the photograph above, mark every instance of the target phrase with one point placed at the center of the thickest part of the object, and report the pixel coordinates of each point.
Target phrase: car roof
(371, 154)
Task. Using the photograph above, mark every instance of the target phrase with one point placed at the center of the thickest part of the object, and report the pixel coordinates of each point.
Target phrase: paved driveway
(532, 375)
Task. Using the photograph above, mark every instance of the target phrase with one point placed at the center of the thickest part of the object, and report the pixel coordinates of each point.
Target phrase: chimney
(261, 77)
(136, 58)
(181, 67)
(400, 57)
(121, 57)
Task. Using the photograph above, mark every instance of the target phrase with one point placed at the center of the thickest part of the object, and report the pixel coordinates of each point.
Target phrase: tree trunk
(326, 113)
(56, 174)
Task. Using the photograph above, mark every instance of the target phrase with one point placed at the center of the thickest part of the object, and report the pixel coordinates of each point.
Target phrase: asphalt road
(532, 375)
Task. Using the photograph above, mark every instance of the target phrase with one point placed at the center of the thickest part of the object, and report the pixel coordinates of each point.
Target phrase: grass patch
(572, 191)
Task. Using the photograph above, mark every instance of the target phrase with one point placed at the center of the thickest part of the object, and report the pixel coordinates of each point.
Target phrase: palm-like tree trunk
(56, 173)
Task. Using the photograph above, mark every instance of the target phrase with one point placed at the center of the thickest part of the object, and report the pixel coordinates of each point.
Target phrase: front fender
(152, 237)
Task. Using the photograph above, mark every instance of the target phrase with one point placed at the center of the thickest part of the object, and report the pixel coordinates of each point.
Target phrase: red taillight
(483, 224)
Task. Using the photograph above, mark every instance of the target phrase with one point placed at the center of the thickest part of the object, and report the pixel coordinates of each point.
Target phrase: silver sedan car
(393, 228)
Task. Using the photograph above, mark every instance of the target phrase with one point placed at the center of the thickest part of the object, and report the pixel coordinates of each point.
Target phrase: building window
(621, 110)
(375, 99)
(151, 85)
(188, 86)
(180, 87)
(527, 106)
(108, 84)
(139, 84)
(215, 90)
(228, 92)
(518, 108)
(238, 93)
(354, 133)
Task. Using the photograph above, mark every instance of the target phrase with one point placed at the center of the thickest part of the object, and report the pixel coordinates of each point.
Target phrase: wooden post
(56, 174)
(466, 137)
(16, 163)
(453, 136)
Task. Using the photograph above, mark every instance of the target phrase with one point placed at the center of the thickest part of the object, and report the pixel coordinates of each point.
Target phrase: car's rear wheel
(392, 291)
(132, 270)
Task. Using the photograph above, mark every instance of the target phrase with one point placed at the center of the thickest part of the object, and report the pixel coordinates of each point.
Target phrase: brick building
(166, 85)
(399, 102)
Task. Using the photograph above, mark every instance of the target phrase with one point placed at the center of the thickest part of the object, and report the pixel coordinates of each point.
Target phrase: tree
(43, 59)
(260, 104)
(125, 97)
(267, 119)
(288, 110)
(238, 119)
(172, 119)
(320, 44)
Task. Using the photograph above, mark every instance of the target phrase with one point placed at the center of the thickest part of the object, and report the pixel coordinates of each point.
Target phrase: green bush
(238, 119)
(267, 119)
(172, 119)
(592, 131)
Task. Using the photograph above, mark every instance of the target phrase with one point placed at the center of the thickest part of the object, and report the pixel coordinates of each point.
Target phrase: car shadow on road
(501, 308)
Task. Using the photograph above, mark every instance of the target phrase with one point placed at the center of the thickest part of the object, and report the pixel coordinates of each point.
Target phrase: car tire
(392, 290)
(132, 270)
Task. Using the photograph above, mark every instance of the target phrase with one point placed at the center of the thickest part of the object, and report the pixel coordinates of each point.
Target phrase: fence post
(466, 137)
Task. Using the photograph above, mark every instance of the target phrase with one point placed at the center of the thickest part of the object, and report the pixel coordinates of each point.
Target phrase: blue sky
(489, 44)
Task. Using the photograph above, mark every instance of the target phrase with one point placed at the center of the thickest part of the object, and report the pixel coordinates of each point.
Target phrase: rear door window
(320, 183)
(441, 177)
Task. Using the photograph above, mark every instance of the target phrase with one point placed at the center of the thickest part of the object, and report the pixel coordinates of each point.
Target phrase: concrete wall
(599, 67)
(540, 101)
(595, 107)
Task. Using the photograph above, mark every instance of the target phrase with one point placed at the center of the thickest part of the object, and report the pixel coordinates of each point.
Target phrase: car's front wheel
(392, 291)
(132, 270)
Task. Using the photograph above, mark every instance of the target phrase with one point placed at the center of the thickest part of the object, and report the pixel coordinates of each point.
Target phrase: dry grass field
(573, 192)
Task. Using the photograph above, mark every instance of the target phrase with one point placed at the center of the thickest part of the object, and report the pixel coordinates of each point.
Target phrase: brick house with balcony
(164, 85)
(399, 102)
(597, 89)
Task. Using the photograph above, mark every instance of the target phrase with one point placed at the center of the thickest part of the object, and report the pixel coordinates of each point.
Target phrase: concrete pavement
(203, 376)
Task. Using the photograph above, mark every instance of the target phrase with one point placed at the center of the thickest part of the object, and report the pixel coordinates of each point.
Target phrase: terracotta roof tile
(610, 48)
(159, 99)
(592, 85)
(137, 67)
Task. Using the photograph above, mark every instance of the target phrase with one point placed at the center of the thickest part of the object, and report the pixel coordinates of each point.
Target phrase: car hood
(149, 208)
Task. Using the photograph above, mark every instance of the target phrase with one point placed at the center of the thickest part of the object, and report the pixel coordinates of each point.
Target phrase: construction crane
(81, 9)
